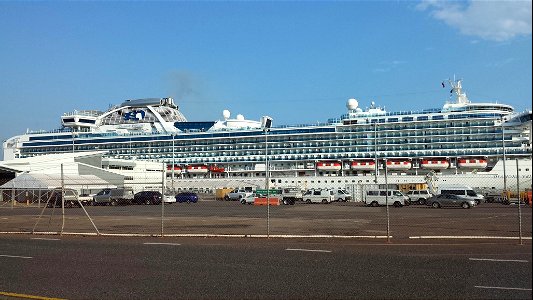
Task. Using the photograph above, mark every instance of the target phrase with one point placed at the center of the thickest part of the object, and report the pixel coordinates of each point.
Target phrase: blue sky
(296, 61)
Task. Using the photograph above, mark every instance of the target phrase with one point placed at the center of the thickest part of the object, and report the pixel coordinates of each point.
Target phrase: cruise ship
(461, 142)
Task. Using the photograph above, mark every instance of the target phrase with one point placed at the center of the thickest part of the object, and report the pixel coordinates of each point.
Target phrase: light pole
(266, 123)
(387, 202)
(73, 139)
(376, 168)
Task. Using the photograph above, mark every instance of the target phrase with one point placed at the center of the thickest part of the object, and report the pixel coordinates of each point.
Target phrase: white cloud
(490, 20)
(387, 66)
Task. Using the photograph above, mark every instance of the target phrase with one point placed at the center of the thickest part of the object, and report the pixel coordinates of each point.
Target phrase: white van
(461, 190)
(379, 197)
(342, 195)
(319, 196)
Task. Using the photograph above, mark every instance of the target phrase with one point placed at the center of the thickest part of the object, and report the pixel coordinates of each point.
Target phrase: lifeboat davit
(177, 169)
(435, 164)
(216, 169)
(328, 166)
(399, 164)
(198, 169)
(363, 165)
(473, 163)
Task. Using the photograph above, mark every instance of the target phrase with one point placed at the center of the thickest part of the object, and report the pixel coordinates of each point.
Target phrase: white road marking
(15, 256)
(46, 239)
(170, 244)
(501, 260)
(501, 288)
(468, 237)
(309, 250)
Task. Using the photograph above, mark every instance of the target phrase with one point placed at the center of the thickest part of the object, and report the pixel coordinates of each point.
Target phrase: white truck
(290, 195)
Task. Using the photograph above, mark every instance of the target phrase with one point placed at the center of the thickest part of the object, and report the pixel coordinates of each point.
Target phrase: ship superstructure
(461, 137)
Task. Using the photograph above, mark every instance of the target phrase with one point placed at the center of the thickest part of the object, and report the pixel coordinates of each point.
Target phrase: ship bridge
(138, 115)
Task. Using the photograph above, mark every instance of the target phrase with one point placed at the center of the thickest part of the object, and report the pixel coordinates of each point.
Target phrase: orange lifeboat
(216, 169)
(328, 166)
(435, 164)
(197, 169)
(472, 163)
(177, 169)
(363, 165)
(400, 164)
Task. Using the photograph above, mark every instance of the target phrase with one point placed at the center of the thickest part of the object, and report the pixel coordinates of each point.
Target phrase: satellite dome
(240, 117)
(226, 114)
(352, 104)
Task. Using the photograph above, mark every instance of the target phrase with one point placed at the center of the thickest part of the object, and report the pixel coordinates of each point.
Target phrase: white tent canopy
(37, 181)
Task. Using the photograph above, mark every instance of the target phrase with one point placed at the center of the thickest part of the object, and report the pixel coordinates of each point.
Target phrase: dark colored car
(147, 197)
(187, 197)
(442, 200)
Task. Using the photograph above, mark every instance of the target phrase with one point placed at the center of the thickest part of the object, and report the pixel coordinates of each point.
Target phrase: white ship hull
(481, 181)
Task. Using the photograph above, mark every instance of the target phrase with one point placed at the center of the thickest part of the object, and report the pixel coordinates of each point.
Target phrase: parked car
(147, 197)
(237, 194)
(113, 197)
(71, 198)
(442, 200)
(462, 190)
(187, 197)
(250, 199)
(419, 196)
(169, 199)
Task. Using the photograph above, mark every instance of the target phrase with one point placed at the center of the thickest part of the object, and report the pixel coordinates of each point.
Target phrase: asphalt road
(76, 267)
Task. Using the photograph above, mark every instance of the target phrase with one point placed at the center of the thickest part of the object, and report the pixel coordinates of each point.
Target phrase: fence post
(13, 196)
(62, 201)
(519, 206)
(163, 196)
(387, 200)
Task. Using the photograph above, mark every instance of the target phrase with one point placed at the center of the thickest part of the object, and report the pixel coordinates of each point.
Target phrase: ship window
(407, 119)
(422, 118)
(393, 120)
(437, 118)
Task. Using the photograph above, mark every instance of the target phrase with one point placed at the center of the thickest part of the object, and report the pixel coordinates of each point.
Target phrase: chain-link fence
(389, 211)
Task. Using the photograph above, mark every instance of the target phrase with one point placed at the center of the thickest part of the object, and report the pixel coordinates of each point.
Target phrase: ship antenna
(457, 88)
